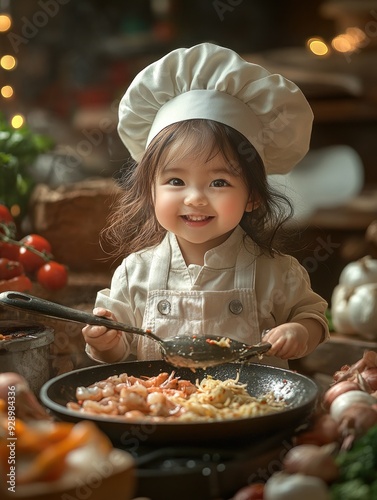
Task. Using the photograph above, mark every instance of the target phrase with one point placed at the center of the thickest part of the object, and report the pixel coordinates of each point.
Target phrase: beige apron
(231, 313)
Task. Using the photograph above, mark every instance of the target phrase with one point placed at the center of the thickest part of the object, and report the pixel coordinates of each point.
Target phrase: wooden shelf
(330, 356)
(355, 215)
(343, 110)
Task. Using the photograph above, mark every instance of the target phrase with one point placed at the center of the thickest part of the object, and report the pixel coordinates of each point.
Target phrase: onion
(323, 431)
(312, 460)
(356, 420)
(283, 486)
(27, 405)
(369, 360)
(9, 379)
(370, 377)
(344, 401)
(359, 272)
(338, 389)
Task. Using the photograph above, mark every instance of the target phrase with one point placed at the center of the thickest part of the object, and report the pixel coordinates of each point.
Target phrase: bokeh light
(17, 121)
(8, 62)
(15, 210)
(7, 91)
(349, 41)
(5, 22)
(317, 46)
(342, 43)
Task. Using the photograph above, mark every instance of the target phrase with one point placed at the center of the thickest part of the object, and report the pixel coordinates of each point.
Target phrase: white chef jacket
(239, 288)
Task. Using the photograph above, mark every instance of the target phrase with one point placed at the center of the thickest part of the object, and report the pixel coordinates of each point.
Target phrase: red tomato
(18, 284)
(52, 275)
(9, 250)
(10, 269)
(254, 491)
(7, 225)
(30, 260)
(5, 215)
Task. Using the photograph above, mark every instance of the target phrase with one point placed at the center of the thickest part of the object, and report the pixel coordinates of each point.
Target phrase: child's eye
(219, 183)
(175, 182)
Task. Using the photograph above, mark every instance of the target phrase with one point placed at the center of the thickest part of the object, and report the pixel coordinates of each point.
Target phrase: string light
(8, 62)
(7, 91)
(317, 46)
(349, 41)
(15, 210)
(5, 22)
(342, 43)
(17, 121)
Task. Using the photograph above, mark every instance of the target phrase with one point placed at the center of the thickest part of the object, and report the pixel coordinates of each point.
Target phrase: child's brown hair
(133, 225)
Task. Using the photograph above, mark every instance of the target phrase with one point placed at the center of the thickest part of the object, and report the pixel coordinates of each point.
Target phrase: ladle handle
(36, 305)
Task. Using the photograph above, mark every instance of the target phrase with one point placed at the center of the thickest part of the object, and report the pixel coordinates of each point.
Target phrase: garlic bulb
(354, 299)
(362, 310)
(339, 310)
(360, 272)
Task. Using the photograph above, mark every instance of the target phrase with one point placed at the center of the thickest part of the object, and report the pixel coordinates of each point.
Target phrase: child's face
(200, 200)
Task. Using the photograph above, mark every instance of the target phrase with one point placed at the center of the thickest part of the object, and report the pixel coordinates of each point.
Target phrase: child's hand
(289, 341)
(99, 337)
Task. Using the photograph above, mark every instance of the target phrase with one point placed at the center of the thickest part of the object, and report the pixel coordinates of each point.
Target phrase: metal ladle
(190, 351)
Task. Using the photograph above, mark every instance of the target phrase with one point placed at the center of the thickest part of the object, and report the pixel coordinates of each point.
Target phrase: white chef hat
(212, 82)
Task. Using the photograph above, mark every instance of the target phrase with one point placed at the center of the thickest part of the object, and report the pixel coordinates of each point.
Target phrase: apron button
(235, 306)
(164, 307)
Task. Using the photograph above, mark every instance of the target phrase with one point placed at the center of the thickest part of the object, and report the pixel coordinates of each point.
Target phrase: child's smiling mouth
(196, 218)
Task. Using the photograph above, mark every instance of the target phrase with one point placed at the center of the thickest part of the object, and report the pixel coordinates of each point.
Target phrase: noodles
(228, 399)
(169, 398)
(223, 342)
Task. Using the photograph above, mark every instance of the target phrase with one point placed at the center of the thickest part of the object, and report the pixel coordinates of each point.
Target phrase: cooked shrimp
(157, 380)
(93, 393)
(167, 396)
(134, 398)
(90, 406)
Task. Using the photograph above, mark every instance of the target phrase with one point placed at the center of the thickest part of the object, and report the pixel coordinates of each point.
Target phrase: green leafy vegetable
(358, 470)
(19, 148)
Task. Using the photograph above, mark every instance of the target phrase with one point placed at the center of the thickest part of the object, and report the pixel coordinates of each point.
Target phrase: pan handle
(36, 305)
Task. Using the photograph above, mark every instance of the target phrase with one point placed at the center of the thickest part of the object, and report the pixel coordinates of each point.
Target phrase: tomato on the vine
(18, 284)
(254, 491)
(5, 215)
(10, 269)
(27, 258)
(30, 260)
(9, 250)
(7, 225)
(52, 275)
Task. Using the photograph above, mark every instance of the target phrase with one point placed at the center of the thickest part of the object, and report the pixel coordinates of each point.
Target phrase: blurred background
(65, 65)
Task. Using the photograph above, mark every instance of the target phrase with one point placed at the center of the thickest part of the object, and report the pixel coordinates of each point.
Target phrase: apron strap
(244, 279)
(159, 271)
(158, 277)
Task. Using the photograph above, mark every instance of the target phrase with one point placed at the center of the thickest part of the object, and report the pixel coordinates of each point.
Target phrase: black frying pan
(298, 391)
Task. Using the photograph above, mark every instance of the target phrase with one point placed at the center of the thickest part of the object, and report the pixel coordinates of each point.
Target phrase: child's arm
(295, 340)
(103, 344)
